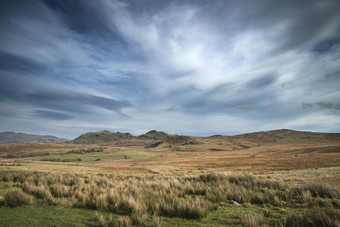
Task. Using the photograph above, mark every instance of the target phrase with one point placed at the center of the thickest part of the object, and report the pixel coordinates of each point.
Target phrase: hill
(154, 135)
(12, 137)
(102, 137)
(288, 136)
(159, 135)
(128, 139)
(248, 139)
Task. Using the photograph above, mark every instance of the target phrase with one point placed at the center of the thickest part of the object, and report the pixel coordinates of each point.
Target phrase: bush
(16, 197)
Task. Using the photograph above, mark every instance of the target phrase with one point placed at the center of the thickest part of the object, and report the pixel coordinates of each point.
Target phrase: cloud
(179, 66)
(262, 81)
(12, 62)
(306, 105)
(52, 115)
(324, 105)
(326, 45)
(74, 102)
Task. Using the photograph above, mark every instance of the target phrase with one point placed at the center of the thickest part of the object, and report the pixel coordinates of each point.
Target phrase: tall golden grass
(145, 198)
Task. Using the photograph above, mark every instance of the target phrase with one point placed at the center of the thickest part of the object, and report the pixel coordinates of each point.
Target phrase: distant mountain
(154, 135)
(12, 137)
(289, 136)
(282, 135)
(102, 137)
(159, 135)
(118, 137)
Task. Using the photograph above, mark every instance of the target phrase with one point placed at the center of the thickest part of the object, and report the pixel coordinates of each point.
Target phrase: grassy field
(209, 199)
(215, 182)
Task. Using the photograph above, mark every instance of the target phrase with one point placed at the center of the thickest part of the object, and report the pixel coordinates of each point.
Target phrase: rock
(233, 202)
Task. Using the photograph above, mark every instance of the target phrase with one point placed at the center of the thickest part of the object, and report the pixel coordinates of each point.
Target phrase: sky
(187, 67)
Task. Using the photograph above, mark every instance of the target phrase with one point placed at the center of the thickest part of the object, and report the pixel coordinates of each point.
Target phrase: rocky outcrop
(102, 137)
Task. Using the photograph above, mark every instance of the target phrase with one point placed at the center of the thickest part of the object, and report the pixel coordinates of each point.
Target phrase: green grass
(4, 186)
(92, 157)
(225, 215)
(46, 216)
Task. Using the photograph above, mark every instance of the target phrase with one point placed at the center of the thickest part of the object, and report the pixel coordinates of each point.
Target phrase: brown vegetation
(187, 183)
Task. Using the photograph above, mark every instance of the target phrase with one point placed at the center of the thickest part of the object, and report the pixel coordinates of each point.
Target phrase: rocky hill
(127, 138)
(248, 139)
(159, 135)
(102, 137)
(12, 137)
(154, 135)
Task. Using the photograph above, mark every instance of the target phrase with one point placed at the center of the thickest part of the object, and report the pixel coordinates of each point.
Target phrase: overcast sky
(186, 67)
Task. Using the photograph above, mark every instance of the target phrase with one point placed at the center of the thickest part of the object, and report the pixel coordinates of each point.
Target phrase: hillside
(159, 135)
(127, 139)
(102, 137)
(288, 136)
(12, 137)
(154, 135)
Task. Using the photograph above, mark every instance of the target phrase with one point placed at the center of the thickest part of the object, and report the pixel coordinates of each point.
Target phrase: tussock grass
(251, 219)
(122, 222)
(16, 197)
(317, 216)
(143, 200)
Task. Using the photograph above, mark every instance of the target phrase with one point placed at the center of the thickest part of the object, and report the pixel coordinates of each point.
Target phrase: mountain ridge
(105, 136)
(108, 136)
(14, 137)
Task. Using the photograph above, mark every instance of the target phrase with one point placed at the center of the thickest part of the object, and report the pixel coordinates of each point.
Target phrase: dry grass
(317, 216)
(184, 184)
(251, 219)
(144, 198)
(214, 154)
(16, 197)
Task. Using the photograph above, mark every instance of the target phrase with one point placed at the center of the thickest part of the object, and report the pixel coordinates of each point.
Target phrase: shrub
(16, 197)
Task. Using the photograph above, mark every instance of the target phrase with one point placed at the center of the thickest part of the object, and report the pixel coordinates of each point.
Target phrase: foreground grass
(46, 216)
(205, 200)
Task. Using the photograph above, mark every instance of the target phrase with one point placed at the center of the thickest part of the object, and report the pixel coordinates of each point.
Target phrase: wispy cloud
(179, 66)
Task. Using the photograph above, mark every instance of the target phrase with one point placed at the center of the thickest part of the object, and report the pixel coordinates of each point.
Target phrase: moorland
(272, 178)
